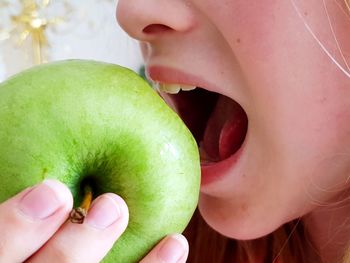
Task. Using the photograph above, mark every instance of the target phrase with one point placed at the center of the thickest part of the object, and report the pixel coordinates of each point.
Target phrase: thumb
(30, 218)
(172, 249)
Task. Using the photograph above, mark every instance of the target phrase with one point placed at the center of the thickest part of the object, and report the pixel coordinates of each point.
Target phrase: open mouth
(218, 123)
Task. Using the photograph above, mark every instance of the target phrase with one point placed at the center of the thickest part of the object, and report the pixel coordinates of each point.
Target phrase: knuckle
(62, 254)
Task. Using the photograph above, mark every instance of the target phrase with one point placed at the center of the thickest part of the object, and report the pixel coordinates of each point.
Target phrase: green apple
(101, 125)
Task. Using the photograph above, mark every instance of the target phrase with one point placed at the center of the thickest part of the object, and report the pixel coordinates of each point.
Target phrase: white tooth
(187, 87)
(170, 88)
(156, 85)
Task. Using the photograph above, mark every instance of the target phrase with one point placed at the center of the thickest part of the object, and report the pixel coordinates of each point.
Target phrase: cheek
(297, 94)
(299, 109)
(273, 28)
(329, 143)
(248, 27)
(307, 128)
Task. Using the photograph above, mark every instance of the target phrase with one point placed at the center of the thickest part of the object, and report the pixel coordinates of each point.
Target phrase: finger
(30, 218)
(173, 248)
(88, 242)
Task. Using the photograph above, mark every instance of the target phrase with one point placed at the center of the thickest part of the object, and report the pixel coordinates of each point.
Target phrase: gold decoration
(31, 23)
(37, 31)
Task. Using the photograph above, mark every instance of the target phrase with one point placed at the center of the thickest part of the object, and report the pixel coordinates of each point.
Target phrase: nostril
(156, 28)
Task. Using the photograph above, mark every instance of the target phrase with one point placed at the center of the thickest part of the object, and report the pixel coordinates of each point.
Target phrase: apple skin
(90, 122)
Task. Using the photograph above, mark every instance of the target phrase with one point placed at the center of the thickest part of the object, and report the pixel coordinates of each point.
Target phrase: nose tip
(146, 20)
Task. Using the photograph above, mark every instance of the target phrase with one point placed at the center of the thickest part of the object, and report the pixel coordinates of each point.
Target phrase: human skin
(265, 55)
(34, 228)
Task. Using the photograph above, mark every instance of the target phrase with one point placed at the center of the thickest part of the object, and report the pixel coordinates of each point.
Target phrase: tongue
(225, 130)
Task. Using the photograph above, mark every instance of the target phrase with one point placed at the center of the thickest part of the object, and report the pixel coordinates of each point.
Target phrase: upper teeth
(172, 88)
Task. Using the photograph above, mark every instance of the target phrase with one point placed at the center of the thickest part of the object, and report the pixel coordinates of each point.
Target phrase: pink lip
(175, 76)
(210, 172)
(214, 172)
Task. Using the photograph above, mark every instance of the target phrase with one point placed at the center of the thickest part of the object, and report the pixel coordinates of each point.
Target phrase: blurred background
(39, 31)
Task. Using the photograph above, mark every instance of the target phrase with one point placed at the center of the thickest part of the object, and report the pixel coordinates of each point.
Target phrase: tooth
(170, 88)
(187, 87)
(156, 85)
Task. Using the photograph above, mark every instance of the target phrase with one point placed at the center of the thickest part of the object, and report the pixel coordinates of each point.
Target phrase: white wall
(89, 31)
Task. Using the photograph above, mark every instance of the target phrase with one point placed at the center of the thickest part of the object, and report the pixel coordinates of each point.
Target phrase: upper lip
(171, 75)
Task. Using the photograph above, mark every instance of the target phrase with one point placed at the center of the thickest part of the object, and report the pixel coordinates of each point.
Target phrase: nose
(146, 20)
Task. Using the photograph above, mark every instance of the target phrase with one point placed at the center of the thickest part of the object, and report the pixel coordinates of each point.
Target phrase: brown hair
(285, 245)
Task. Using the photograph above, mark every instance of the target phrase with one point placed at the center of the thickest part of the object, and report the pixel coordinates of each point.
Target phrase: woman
(271, 116)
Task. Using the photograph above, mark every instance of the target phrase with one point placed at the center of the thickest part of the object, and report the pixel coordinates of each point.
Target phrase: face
(272, 114)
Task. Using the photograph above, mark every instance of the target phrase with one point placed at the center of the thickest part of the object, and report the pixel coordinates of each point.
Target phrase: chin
(238, 221)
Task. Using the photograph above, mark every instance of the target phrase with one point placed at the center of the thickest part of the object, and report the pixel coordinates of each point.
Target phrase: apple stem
(78, 214)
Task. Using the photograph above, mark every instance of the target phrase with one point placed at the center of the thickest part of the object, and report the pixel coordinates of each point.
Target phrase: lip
(175, 76)
(214, 172)
(210, 172)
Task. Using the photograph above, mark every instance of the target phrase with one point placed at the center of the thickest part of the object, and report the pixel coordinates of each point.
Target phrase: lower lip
(213, 172)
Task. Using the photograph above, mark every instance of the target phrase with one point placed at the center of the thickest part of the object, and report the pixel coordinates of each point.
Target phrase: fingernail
(104, 211)
(173, 249)
(43, 200)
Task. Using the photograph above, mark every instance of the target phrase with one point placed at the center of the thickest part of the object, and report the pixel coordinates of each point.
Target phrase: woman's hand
(34, 228)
